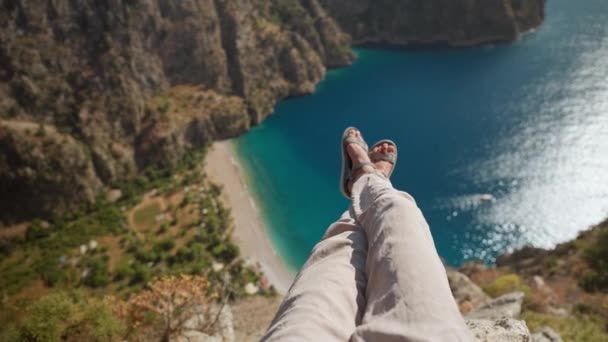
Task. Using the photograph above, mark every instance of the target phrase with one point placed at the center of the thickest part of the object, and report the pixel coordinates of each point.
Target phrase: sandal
(390, 157)
(347, 163)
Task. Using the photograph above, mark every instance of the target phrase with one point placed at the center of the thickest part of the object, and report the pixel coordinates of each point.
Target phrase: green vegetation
(505, 284)
(571, 328)
(97, 272)
(596, 256)
(146, 216)
(68, 316)
(95, 251)
(291, 14)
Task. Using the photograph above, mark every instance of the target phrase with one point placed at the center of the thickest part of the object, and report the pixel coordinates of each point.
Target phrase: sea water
(501, 145)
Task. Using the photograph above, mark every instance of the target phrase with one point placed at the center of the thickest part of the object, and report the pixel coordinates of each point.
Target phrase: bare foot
(384, 166)
(358, 156)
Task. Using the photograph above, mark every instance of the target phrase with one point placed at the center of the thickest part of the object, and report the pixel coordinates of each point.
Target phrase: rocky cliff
(87, 87)
(458, 23)
(92, 92)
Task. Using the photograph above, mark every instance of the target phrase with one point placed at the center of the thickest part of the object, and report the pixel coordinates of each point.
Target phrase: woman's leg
(408, 296)
(326, 300)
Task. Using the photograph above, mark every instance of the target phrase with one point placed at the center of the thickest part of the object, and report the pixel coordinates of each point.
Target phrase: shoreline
(250, 234)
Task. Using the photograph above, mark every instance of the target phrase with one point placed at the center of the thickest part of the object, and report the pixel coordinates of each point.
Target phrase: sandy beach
(250, 232)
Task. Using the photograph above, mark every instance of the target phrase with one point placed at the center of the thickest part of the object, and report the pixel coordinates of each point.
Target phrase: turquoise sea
(524, 123)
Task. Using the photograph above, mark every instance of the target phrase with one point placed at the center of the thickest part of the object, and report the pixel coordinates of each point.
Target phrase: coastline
(222, 166)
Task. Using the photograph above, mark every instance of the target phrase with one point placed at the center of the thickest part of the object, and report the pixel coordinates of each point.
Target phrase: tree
(167, 305)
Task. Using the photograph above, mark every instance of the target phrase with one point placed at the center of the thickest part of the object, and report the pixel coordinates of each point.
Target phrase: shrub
(123, 271)
(141, 274)
(163, 228)
(571, 328)
(187, 254)
(36, 231)
(226, 251)
(596, 256)
(164, 245)
(98, 272)
(50, 272)
(61, 316)
(166, 306)
(144, 256)
(505, 284)
(44, 319)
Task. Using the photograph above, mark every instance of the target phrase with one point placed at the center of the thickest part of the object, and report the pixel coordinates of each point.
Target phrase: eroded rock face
(467, 294)
(454, 22)
(508, 305)
(499, 330)
(198, 327)
(91, 68)
(43, 168)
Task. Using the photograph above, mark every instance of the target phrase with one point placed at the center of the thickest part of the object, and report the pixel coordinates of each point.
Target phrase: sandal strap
(390, 157)
(356, 140)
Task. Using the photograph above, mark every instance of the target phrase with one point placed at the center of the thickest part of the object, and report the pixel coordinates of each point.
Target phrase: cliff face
(130, 83)
(458, 23)
(94, 74)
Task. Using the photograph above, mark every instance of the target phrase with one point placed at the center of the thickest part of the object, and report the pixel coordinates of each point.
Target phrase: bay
(501, 145)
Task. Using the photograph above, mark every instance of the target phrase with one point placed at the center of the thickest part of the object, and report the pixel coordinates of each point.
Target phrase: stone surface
(207, 325)
(103, 74)
(508, 305)
(546, 334)
(453, 22)
(98, 72)
(466, 293)
(500, 330)
(252, 316)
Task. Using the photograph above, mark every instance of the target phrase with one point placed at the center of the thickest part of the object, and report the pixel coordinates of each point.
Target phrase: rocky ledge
(489, 320)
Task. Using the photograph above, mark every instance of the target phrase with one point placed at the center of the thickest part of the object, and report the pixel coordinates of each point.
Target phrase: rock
(113, 195)
(538, 282)
(85, 273)
(93, 245)
(44, 171)
(159, 218)
(74, 261)
(546, 334)
(130, 84)
(500, 330)
(251, 289)
(252, 316)
(265, 283)
(557, 311)
(196, 336)
(508, 305)
(453, 22)
(217, 266)
(468, 295)
(105, 85)
(200, 328)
